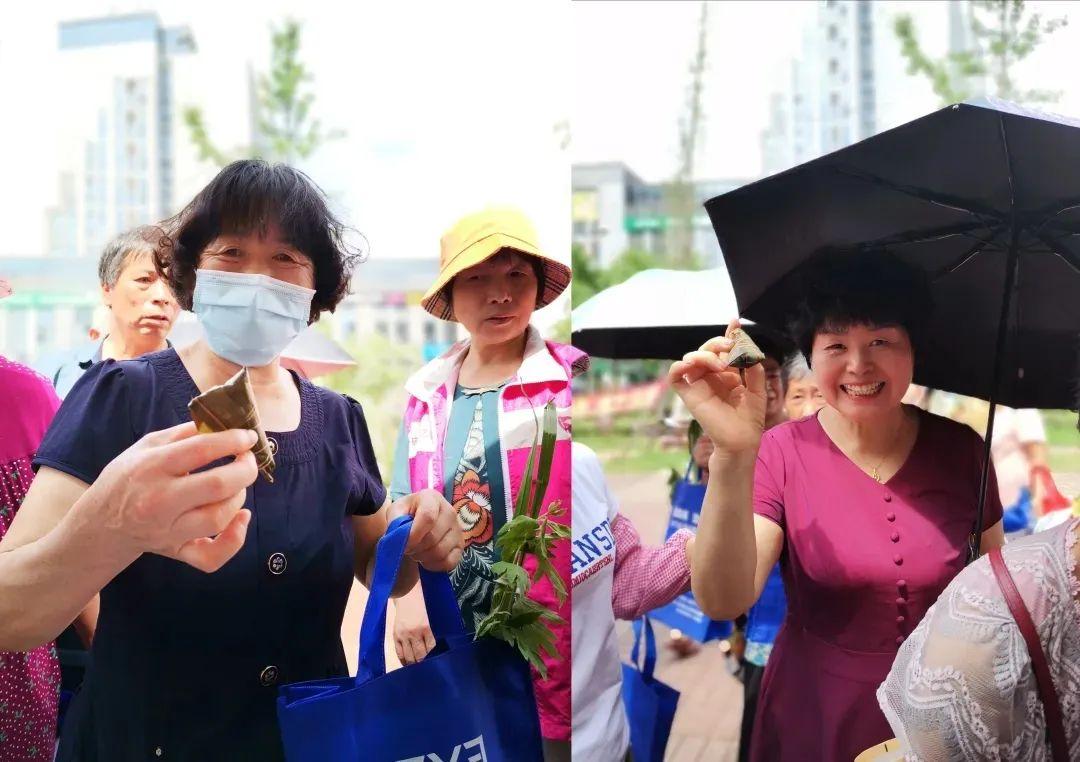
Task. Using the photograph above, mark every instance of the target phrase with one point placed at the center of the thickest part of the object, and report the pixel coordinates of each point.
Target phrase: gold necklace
(875, 473)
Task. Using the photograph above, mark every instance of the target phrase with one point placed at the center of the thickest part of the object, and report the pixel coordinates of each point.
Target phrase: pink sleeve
(768, 498)
(646, 578)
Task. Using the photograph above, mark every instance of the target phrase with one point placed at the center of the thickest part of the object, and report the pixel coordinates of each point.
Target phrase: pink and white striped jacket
(544, 375)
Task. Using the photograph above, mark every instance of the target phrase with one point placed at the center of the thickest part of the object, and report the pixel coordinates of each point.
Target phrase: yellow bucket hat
(477, 238)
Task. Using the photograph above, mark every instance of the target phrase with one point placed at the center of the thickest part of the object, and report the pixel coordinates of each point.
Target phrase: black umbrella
(984, 197)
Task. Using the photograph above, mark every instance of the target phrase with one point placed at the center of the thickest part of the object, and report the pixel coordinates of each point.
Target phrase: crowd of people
(156, 590)
(198, 586)
(835, 531)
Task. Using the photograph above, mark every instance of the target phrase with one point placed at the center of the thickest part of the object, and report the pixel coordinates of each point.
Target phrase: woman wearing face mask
(185, 665)
(473, 416)
(867, 505)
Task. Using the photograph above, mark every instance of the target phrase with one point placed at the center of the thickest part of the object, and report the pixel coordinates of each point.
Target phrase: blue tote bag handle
(650, 704)
(443, 613)
(649, 666)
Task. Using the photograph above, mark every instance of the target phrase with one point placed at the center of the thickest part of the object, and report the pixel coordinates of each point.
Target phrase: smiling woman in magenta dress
(867, 506)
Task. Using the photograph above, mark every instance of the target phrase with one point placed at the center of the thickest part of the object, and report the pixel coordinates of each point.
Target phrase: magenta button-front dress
(862, 562)
(29, 682)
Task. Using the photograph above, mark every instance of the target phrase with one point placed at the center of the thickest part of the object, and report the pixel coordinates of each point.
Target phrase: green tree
(630, 262)
(285, 129)
(377, 382)
(1004, 34)
(588, 279)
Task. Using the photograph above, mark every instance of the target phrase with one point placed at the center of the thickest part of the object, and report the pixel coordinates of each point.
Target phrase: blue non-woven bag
(683, 613)
(470, 700)
(650, 704)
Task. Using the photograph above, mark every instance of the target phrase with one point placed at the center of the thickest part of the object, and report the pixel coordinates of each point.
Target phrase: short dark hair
(248, 196)
(843, 289)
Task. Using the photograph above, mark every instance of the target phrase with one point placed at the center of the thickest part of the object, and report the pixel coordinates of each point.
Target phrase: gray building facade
(614, 210)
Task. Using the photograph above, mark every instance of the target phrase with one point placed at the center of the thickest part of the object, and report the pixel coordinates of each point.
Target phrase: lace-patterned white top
(962, 687)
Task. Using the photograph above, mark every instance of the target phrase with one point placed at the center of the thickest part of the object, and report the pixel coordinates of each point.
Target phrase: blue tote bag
(650, 704)
(683, 612)
(468, 701)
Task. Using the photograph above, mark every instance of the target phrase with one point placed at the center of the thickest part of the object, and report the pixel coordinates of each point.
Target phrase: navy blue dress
(186, 665)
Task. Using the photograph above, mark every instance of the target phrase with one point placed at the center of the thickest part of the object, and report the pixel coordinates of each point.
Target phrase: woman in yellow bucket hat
(471, 420)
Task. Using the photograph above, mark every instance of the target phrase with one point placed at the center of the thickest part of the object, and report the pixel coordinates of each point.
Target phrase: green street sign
(642, 223)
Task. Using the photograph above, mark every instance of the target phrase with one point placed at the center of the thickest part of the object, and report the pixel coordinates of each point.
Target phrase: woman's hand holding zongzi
(730, 411)
(148, 499)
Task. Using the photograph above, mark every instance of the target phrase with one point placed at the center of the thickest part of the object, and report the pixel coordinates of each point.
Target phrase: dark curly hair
(249, 196)
(842, 289)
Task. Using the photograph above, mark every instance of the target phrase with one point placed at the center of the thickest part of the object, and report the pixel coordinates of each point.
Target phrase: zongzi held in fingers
(745, 353)
(232, 406)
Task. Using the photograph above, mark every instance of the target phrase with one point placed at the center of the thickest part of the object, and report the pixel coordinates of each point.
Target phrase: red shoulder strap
(1059, 747)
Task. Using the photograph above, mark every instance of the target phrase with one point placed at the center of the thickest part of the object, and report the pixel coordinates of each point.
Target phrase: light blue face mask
(249, 319)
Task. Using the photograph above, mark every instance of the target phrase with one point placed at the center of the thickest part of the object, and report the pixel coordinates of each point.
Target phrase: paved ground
(710, 708)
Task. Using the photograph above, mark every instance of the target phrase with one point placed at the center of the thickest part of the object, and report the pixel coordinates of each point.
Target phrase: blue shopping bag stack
(650, 704)
(683, 613)
(470, 700)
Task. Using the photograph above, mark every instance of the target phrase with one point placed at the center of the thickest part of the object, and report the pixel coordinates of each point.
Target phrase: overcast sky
(447, 107)
(632, 64)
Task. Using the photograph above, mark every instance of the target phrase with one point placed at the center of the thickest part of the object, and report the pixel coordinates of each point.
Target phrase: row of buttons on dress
(901, 584)
(277, 563)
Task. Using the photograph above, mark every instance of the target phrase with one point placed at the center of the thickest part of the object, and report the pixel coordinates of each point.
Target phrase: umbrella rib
(930, 197)
(1049, 218)
(1055, 247)
(959, 262)
(927, 236)
(1058, 227)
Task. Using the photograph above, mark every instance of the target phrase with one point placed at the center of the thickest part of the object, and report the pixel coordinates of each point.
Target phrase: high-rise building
(829, 100)
(850, 79)
(117, 139)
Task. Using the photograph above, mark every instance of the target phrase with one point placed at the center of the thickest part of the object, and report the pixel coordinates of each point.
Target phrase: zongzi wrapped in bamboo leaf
(745, 353)
(232, 406)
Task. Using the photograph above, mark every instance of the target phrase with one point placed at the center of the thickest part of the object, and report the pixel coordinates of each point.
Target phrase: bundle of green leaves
(514, 617)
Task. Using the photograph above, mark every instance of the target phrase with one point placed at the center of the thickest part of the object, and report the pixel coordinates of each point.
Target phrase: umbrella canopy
(984, 197)
(311, 354)
(662, 315)
(314, 354)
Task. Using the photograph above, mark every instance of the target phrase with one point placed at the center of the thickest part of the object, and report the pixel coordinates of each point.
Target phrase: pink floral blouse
(29, 682)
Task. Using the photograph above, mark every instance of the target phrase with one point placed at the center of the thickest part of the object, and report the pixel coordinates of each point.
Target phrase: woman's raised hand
(149, 500)
(731, 413)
